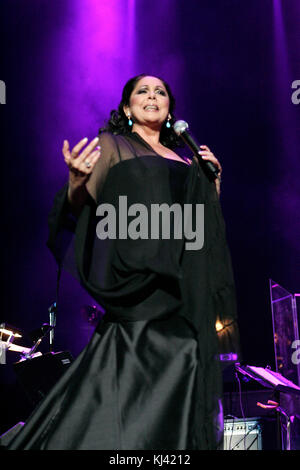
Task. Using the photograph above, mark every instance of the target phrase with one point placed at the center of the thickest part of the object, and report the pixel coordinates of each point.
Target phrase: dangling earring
(129, 120)
(168, 125)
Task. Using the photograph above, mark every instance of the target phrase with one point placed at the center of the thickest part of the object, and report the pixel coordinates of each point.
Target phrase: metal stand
(52, 322)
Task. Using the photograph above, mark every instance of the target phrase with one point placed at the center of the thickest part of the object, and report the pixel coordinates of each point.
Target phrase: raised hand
(81, 161)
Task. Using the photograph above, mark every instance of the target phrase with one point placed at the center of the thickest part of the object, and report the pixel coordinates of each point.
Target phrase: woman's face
(149, 102)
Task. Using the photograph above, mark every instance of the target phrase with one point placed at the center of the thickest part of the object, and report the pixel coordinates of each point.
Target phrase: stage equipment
(285, 331)
(10, 331)
(268, 378)
(36, 372)
(242, 434)
(39, 375)
(279, 385)
(229, 358)
(257, 433)
(285, 310)
(228, 341)
(8, 334)
(52, 322)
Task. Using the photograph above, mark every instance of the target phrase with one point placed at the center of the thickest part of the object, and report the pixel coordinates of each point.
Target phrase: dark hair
(118, 122)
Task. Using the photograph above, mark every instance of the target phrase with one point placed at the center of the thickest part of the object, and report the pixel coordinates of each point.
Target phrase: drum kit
(10, 336)
(38, 371)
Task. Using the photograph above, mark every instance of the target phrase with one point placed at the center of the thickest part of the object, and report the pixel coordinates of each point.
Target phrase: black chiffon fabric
(150, 376)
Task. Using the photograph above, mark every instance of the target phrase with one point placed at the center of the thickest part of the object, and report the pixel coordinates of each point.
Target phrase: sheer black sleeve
(61, 221)
(110, 155)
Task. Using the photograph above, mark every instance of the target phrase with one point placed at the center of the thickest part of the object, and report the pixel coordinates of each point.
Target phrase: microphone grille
(180, 126)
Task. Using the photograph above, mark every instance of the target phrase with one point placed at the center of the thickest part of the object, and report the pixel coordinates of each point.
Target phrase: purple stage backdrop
(234, 67)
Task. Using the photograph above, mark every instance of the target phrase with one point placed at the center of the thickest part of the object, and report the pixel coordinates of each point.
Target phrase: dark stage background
(231, 64)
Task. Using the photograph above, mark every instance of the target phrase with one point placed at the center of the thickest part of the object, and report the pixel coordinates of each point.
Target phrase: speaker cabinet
(250, 434)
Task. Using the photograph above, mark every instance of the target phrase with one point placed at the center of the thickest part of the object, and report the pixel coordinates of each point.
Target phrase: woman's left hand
(206, 154)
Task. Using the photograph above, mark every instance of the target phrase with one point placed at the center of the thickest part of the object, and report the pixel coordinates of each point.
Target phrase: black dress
(149, 377)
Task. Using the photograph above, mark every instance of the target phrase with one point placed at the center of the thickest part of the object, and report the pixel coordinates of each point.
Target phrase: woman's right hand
(81, 162)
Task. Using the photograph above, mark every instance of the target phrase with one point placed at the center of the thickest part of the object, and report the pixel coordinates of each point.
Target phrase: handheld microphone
(181, 129)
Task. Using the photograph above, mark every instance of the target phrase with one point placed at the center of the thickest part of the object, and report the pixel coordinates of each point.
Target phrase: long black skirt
(133, 387)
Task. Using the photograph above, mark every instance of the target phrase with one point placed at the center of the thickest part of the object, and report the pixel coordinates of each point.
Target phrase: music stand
(274, 381)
